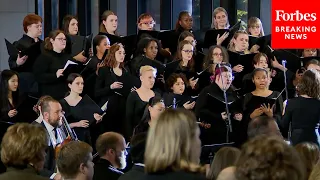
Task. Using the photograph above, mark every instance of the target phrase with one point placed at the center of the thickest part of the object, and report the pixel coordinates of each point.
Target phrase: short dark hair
(137, 147)
(259, 126)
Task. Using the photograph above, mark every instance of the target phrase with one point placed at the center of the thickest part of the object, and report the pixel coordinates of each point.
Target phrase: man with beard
(52, 112)
(111, 148)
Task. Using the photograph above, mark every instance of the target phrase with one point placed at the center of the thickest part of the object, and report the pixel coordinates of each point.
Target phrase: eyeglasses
(62, 39)
(188, 51)
(217, 54)
(149, 23)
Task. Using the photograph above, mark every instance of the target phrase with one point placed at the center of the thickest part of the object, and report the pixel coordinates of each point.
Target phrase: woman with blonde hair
(138, 99)
(173, 147)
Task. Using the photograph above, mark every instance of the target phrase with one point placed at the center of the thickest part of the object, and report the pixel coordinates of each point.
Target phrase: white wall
(12, 13)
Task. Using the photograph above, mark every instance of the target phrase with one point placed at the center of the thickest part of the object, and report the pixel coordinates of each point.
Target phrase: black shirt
(104, 170)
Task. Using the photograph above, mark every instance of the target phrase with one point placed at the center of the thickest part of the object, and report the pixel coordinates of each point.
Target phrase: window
(196, 14)
(153, 8)
(242, 12)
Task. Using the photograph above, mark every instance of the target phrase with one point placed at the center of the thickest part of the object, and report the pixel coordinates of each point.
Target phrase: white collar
(48, 126)
(139, 164)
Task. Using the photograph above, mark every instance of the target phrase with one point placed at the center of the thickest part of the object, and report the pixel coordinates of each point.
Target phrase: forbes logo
(281, 15)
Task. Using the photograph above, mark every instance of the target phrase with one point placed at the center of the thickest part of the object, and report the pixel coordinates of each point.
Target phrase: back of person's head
(227, 174)
(108, 140)
(269, 157)
(315, 173)
(75, 158)
(24, 144)
(225, 157)
(310, 84)
(39, 104)
(173, 143)
(263, 125)
(137, 147)
(309, 154)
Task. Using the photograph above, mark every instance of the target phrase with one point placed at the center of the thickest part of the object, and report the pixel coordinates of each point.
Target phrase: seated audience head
(147, 76)
(309, 154)
(227, 174)
(56, 41)
(173, 143)
(223, 77)
(70, 25)
(184, 22)
(75, 83)
(224, 158)
(263, 125)
(187, 36)
(269, 157)
(109, 22)
(146, 22)
(313, 64)
(100, 44)
(255, 27)
(309, 84)
(112, 147)
(75, 161)
(260, 60)
(137, 147)
(51, 111)
(149, 47)
(32, 25)
(37, 107)
(115, 56)
(315, 174)
(239, 42)
(24, 144)
(176, 83)
(220, 19)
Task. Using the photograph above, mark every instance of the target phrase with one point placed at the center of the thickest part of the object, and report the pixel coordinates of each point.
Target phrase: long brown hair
(104, 17)
(179, 54)
(66, 22)
(208, 57)
(110, 60)
(309, 154)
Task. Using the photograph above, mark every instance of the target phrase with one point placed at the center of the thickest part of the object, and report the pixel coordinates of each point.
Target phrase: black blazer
(136, 173)
(50, 162)
(104, 170)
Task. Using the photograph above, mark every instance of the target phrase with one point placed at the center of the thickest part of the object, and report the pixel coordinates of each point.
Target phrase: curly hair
(269, 158)
(110, 60)
(173, 79)
(310, 84)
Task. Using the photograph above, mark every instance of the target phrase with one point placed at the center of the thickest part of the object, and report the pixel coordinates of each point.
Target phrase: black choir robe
(45, 69)
(209, 106)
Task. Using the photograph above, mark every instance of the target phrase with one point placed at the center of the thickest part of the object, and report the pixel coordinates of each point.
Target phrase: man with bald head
(111, 148)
